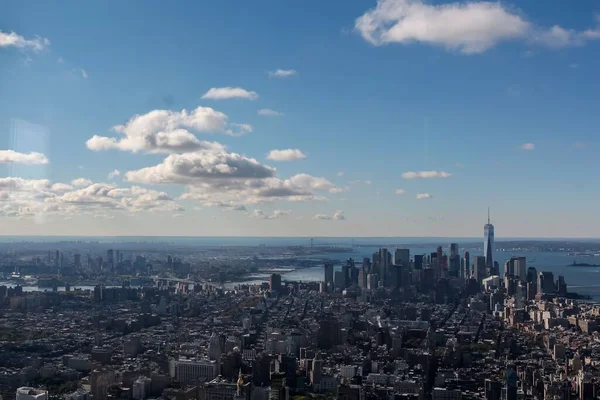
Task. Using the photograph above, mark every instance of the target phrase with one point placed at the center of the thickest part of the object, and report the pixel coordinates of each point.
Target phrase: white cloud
(177, 215)
(10, 156)
(527, 146)
(335, 190)
(240, 129)
(81, 182)
(267, 112)
(357, 182)
(114, 173)
(61, 187)
(84, 74)
(467, 27)
(25, 198)
(400, 191)
(60, 60)
(337, 216)
(199, 166)
(301, 187)
(14, 40)
(259, 214)
(281, 213)
(340, 173)
(165, 131)
(426, 174)
(282, 73)
(423, 196)
(286, 155)
(225, 93)
(579, 145)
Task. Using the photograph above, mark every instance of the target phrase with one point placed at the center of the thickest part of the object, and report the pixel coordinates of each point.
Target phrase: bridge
(181, 283)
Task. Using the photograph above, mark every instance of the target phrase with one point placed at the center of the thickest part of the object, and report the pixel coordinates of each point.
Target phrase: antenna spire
(488, 215)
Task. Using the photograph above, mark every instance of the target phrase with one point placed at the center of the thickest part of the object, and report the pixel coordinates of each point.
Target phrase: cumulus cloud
(400, 191)
(14, 40)
(300, 187)
(286, 155)
(199, 166)
(340, 173)
(527, 146)
(259, 214)
(337, 216)
(238, 129)
(423, 196)
(467, 27)
(267, 112)
(10, 156)
(61, 187)
(282, 73)
(426, 174)
(81, 182)
(24, 197)
(114, 173)
(229, 92)
(165, 131)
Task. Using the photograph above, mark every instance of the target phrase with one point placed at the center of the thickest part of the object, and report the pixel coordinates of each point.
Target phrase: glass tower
(488, 243)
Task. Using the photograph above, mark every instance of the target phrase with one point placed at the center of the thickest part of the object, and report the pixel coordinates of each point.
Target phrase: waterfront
(583, 280)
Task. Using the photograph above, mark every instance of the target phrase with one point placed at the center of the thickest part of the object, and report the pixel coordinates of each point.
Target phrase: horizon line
(307, 237)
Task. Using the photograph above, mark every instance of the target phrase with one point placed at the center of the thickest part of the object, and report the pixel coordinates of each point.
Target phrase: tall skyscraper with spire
(488, 243)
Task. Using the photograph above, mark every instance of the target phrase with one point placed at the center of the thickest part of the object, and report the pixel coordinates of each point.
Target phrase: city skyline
(352, 123)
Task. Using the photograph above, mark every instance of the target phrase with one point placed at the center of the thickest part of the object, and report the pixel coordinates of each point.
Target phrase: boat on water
(576, 264)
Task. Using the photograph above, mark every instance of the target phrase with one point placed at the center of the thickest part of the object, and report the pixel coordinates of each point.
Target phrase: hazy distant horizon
(317, 239)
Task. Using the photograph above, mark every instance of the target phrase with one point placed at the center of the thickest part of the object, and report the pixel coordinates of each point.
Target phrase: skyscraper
(384, 259)
(109, 259)
(454, 261)
(402, 257)
(468, 271)
(419, 261)
(488, 243)
(479, 270)
(329, 276)
(545, 284)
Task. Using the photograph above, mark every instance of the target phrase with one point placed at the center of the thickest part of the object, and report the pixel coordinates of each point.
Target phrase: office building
(29, 393)
(384, 264)
(141, 388)
(77, 260)
(402, 257)
(454, 261)
(468, 271)
(520, 268)
(275, 283)
(418, 261)
(190, 371)
(488, 243)
(545, 284)
(109, 259)
(372, 281)
(214, 347)
(479, 268)
(362, 278)
(329, 276)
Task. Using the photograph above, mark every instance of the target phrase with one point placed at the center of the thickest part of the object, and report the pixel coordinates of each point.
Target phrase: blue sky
(499, 100)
